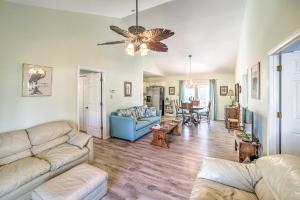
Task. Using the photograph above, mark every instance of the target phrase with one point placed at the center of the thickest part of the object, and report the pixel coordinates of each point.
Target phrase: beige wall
(62, 40)
(266, 24)
(225, 79)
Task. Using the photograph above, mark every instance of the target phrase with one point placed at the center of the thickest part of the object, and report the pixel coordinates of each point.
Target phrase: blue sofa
(129, 129)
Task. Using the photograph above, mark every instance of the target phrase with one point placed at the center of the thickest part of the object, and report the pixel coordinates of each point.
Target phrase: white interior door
(93, 106)
(290, 134)
(82, 118)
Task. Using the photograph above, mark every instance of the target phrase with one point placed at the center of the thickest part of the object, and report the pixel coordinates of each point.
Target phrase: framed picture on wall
(37, 81)
(255, 81)
(171, 90)
(223, 90)
(127, 89)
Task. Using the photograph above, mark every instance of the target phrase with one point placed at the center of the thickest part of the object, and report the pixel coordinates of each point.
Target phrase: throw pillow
(152, 112)
(141, 110)
(148, 112)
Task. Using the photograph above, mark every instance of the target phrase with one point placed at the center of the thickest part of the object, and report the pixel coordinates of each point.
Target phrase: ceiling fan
(141, 39)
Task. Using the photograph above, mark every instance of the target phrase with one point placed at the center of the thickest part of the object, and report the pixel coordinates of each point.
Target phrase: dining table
(192, 110)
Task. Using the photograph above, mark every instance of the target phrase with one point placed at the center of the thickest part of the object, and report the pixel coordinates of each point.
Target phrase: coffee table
(160, 135)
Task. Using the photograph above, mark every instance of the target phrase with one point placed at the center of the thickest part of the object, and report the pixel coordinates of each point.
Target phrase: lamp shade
(230, 93)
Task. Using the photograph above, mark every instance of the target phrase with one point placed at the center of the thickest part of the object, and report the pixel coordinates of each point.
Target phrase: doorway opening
(90, 102)
(284, 97)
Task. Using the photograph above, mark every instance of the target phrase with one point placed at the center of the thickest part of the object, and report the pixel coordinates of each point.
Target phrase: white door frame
(274, 123)
(94, 69)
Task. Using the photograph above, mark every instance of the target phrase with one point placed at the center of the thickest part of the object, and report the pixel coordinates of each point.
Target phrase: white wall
(266, 24)
(62, 40)
(225, 79)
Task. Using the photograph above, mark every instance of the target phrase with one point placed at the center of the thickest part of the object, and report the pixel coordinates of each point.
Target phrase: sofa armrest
(238, 175)
(82, 140)
(122, 127)
(90, 146)
(78, 139)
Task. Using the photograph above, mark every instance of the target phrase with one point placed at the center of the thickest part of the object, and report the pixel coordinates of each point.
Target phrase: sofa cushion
(20, 172)
(48, 145)
(13, 142)
(207, 190)
(262, 191)
(150, 112)
(141, 124)
(46, 132)
(281, 174)
(14, 157)
(151, 119)
(62, 154)
(222, 171)
(78, 139)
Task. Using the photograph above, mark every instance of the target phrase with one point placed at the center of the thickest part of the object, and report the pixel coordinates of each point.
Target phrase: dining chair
(205, 113)
(197, 104)
(186, 108)
(178, 110)
(234, 123)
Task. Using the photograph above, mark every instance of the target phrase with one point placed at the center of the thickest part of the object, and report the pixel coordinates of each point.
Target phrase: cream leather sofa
(273, 177)
(32, 156)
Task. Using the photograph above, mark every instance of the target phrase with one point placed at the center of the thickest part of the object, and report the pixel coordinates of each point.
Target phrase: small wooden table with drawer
(246, 149)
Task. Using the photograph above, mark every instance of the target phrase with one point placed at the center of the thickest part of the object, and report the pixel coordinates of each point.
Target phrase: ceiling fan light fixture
(130, 49)
(144, 49)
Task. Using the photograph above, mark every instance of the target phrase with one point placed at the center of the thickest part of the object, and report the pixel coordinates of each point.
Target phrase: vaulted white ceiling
(110, 8)
(207, 29)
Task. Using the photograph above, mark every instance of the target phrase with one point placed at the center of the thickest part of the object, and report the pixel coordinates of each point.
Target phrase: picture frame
(36, 80)
(223, 90)
(171, 90)
(127, 89)
(255, 81)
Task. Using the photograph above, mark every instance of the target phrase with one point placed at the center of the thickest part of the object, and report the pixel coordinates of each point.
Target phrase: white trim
(80, 67)
(273, 121)
(285, 43)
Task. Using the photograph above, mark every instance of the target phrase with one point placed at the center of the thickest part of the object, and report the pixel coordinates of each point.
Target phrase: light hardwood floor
(141, 171)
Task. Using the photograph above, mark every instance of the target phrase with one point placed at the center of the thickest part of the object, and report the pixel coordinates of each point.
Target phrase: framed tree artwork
(255, 81)
(171, 90)
(223, 90)
(37, 81)
(127, 89)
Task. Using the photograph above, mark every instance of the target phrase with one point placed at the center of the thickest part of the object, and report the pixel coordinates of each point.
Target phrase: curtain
(213, 99)
(181, 91)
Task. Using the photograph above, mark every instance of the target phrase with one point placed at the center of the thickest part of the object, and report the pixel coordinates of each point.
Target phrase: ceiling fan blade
(157, 34)
(114, 42)
(121, 32)
(157, 46)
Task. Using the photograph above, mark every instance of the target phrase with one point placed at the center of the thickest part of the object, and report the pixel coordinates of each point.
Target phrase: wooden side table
(246, 150)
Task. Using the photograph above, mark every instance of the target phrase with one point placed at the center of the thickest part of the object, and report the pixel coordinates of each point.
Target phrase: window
(198, 92)
(203, 95)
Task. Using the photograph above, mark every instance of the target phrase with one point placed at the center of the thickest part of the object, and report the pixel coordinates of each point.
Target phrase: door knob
(87, 107)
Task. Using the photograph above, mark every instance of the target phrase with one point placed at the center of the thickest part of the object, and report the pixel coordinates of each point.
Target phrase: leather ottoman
(83, 182)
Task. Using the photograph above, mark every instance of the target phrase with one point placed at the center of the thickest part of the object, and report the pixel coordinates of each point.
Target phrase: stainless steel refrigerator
(155, 97)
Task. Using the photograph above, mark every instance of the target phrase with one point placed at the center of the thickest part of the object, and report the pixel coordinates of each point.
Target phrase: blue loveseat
(128, 128)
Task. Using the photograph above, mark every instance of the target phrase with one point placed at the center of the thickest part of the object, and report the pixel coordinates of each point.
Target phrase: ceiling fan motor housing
(136, 29)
